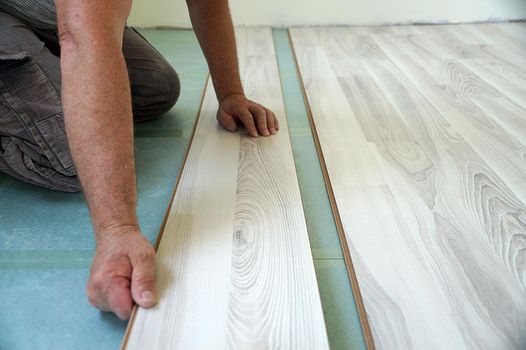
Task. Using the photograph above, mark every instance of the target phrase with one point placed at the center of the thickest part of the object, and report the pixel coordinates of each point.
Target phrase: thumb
(226, 120)
(143, 279)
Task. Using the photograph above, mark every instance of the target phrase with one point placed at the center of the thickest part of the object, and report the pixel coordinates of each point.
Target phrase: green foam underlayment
(46, 242)
(341, 316)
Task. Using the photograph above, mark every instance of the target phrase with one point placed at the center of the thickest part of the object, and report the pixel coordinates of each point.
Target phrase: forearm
(97, 109)
(213, 26)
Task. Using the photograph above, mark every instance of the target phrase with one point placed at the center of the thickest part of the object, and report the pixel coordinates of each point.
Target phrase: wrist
(115, 230)
(238, 94)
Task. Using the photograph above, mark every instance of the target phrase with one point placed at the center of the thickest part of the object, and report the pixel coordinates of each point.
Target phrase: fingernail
(148, 297)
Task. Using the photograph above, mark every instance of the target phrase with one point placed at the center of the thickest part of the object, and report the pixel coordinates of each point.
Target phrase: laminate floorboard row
(235, 268)
(422, 130)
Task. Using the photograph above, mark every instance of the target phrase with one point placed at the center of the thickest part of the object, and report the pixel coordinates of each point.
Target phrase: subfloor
(46, 241)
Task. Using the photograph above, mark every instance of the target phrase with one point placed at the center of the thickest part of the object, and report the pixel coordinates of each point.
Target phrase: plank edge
(297, 184)
(129, 327)
(368, 337)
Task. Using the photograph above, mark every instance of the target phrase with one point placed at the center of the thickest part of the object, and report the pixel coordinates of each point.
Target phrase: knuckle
(93, 301)
(92, 296)
(122, 312)
(240, 108)
(246, 117)
(144, 256)
(104, 276)
(119, 282)
(97, 280)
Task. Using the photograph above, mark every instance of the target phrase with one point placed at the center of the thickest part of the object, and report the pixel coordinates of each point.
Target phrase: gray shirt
(37, 13)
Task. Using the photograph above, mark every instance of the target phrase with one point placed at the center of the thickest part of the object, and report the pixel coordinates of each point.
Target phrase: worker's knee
(29, 163)
(155, 92)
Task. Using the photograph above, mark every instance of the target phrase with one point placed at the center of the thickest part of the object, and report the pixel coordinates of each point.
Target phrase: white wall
(151, 13)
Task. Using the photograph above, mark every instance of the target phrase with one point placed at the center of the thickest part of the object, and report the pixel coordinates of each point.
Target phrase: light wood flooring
(235, 268)
(423, 133)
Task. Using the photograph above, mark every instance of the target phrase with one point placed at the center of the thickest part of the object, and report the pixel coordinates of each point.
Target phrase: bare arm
(213, 26)
(97, 108)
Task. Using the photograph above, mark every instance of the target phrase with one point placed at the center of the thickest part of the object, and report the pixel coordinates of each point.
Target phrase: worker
(73, 79)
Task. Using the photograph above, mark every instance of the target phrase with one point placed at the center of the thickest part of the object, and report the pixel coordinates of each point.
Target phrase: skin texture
(212, 24)
(97, 108)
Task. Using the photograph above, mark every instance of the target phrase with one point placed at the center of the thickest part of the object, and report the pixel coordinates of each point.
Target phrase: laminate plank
(451, 90)
(378, 121)
(363, 205)
(448, 153)
(438, 245)
(465, 42)
(509, 78)
(495, 85)
(510, 116)
(490, 70)
(496, 44)
(234, 263)
(343, 129)
(470, 261)
(447, 39)
(512, 33)
(509, 82)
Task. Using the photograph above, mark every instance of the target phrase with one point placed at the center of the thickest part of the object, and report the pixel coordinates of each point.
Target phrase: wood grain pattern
(438, 239)
(455, 93)
(234, 263)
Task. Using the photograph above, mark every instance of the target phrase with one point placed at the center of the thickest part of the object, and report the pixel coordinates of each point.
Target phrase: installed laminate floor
(422, 130)
(235, 268)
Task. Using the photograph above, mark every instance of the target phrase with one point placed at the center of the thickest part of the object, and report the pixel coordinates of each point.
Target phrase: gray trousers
(33, 141)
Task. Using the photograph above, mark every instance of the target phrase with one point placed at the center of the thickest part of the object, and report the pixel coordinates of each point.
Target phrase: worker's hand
(257, 119)
(123, 271)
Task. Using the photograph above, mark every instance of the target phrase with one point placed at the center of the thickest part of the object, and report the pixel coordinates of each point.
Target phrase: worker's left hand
(258, 120)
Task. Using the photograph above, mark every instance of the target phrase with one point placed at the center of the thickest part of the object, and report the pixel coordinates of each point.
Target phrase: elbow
(86, 32)
(68, 42)
(78, 36)
(70, 23)
(77, 43)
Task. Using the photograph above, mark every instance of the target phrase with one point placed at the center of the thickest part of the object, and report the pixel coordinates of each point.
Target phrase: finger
(95, 297)
(276, 122)
(248, 121)
(118, 298)
(143, 279)
(226, 120)
(270, 121)
(261, 119)
(102, 279)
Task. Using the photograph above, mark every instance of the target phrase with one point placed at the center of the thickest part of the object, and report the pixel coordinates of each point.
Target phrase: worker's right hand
(123, 271)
